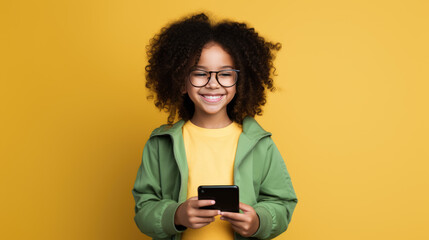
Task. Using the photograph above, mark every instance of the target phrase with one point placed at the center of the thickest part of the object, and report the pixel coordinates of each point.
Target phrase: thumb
(246, 208)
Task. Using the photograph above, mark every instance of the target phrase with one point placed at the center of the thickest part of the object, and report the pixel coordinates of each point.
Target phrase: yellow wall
(350, 115)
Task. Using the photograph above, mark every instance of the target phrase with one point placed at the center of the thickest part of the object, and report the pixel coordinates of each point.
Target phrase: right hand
(190, 215)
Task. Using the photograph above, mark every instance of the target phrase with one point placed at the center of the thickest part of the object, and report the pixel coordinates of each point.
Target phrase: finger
(200, 222)
(242, 229)
(203, 220)
(234, 216)
(236, 228)
(246, 208)
(207, 213)
(199, 225)
(232, 221)
(202, 203)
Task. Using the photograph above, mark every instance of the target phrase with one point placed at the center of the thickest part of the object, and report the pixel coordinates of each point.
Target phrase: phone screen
(226, 197)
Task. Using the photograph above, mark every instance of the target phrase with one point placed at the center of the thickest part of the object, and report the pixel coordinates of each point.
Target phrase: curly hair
(177, 48)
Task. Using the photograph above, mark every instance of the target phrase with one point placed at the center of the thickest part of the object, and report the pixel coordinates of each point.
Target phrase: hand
(189, 215)
(246, 224)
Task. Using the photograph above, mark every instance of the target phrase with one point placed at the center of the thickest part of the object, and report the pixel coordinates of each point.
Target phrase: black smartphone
(226, 197)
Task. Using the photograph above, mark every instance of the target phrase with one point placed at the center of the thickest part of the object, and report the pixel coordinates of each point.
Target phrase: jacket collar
(175, 129)
(252, 131)
(175, 132)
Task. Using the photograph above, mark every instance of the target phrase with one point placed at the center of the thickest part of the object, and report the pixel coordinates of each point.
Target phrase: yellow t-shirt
(210, 154)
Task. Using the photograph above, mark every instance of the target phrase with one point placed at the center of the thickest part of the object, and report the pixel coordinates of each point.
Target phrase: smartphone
(226, 197)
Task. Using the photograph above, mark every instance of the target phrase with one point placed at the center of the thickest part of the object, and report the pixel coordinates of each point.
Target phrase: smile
(212, 98)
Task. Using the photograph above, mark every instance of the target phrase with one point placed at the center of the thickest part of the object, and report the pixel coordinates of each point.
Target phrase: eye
(199, 74)
(225, 74)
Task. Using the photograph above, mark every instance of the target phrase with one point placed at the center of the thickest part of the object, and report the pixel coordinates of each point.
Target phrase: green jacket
(259, 171)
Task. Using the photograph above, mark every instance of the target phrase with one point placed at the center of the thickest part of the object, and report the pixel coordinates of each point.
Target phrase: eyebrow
(223, 67)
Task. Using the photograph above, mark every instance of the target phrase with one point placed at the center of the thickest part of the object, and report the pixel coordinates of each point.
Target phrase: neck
(210, 121)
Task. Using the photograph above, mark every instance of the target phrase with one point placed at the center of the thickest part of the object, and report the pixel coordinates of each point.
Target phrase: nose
(212, 81)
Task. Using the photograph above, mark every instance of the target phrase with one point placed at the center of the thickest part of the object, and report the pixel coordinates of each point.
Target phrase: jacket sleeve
(277, 200)
(154, 215)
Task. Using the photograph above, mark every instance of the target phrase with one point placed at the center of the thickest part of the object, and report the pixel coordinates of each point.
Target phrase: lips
(212, 98)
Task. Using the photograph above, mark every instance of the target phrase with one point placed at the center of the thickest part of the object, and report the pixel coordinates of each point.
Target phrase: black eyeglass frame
(216, 76)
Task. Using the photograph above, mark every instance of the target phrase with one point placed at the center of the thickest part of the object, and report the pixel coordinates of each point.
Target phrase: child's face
(212, 99)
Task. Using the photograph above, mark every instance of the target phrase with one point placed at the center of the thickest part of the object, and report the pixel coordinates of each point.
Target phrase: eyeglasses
(225, 78)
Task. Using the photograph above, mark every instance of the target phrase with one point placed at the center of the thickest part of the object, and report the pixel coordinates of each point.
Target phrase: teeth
(211, 97)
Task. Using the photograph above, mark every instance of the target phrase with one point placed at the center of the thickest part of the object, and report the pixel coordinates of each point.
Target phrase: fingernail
(218, 212)
(213, 202)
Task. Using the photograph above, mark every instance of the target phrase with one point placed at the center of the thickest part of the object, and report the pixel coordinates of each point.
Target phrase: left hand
(246, 224)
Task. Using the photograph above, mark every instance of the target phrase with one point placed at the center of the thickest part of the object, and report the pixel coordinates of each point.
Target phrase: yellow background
(350, 115)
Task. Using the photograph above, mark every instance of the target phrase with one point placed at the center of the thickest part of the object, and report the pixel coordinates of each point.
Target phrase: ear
(183, 90)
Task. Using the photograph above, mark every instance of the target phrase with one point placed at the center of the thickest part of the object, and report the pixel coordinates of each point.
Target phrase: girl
(213, 76)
